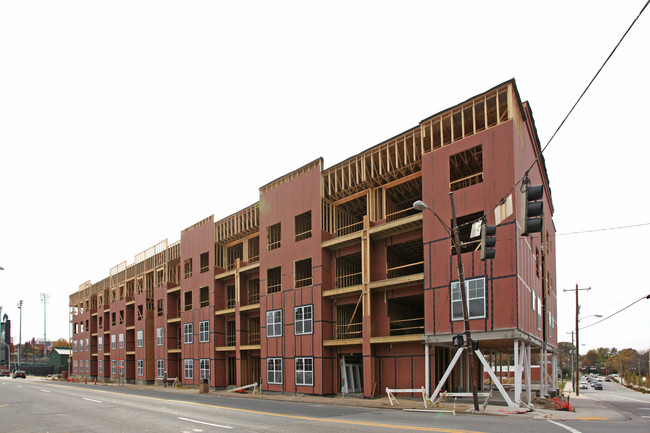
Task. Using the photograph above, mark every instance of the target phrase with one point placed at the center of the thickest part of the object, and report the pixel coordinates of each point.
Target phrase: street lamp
(455, 239)
(20, 329)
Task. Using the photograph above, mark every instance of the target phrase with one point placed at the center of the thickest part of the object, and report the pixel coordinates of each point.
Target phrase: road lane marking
(593, 418)
(203, 422)
(94, 401)
(645, 416)
(45, 390)
(280, 415)
(630, 398)
(571, 429)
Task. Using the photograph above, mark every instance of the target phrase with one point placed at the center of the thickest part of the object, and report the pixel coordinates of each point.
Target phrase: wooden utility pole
(461, 279)
(577, 337)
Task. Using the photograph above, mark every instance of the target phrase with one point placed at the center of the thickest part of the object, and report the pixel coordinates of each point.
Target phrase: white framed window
(113, 341)
(113, 367)
(100, 343)
(121, 340)
(87, 344)
(87, 365)
(274, 323)
(204, 331)
(189, 369)
(204, 368)
(140, 338)
(75, 345)
(303, 320)
(160, 367)
(188, 333)
(305, 371)
(475, 291)
(140, 364)
(100, 367)
(539, 313)
(274, 370)
(160, 336)
(74, 366)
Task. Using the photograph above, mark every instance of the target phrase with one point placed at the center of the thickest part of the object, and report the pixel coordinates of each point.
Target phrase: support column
(426, 367)
(368, 359)
(517, 373)
(529, 398)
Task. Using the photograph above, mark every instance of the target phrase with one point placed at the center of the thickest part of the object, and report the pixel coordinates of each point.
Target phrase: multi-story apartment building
(333, 280)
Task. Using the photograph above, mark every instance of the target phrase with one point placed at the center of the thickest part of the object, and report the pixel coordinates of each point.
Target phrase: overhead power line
(611, 315)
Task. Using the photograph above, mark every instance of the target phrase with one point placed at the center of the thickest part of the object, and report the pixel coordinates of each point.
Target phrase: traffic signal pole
(461, 278)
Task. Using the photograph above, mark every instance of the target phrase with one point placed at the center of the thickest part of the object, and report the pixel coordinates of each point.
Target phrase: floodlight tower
(45, 298)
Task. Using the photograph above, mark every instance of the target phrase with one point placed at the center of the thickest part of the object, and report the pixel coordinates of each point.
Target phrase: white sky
(124, 122)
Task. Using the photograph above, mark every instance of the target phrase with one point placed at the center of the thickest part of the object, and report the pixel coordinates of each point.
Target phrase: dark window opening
(273, 237)
(205, 262)
(466, 168)
(406, 315)
(303, 273)
(274, 280)
(303, 226)
(406, 258)
(348, 270)
(467, 243)
(204, 297)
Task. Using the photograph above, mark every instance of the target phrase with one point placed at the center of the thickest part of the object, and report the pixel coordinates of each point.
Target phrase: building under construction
(333, 281)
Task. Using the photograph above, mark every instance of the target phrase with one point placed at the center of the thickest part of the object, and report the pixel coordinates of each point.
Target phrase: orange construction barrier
(95, 381)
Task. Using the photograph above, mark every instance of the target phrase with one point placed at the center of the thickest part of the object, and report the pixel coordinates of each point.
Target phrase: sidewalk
(585, 408)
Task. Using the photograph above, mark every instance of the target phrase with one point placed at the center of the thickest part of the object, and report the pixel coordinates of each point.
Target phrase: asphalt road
(634, 404)
(36, 405)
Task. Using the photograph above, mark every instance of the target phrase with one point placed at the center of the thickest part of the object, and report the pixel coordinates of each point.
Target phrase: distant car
(584, 385)
(598, 386)
(5, 373)
(607, 379)
(20, 373)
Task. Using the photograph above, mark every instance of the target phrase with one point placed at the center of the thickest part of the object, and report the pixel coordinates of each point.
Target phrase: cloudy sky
(124, 122)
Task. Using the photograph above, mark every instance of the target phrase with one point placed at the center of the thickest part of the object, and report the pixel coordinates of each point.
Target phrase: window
(187, 267)
(475, 291)
(274, 323)
(188, 333)
(539, 313)
(189, 369)
(302, 273)
(140, 364)
(204, 331)
(113, 367)
(74, 366)
(160, 367)
(303, 320)
(273, 237)
(160, 336)
(100, 322)
(87, 365)
(159, 307)
(75, 345)
(205, 262)
(100, 367)
(121, 341)
(113, 341)
(204, 368)
(274, 370)
(188, 301)
(466, 168)
(303, 226)
(113, 319)
(274, 280)
(140, 312)
(121, 316)
(87, 344)
(204, 297)
(305, 371)
(100, 343)
(468, 244)
(140, 338)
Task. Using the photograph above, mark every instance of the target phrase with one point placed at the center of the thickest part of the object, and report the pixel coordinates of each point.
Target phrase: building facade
(333, 281)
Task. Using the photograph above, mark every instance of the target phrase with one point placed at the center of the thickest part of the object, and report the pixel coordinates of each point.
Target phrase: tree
(61, 342)
(624, 361)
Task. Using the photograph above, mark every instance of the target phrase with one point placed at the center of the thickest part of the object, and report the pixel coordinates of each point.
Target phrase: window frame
(160, 336)
(273, 326)
(204, 331)
(160, 367)
(455, 287)
(113, 341)
(139, 338)
(188, 333)
(204, 368)
(120, 340)
(140, 367)
(188, 367)
(100, 343)
(300, 323)
(304, 362)
(274, 372)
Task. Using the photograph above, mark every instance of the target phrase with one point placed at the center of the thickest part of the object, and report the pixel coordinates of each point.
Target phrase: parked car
(5, 373)
(584, 385)
(20, 373)
(598, 386)
(607, 379)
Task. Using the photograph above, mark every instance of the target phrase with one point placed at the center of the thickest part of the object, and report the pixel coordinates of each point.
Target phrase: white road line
(645, 416)
(202, 422)
(630, 398)
(20, 386)
(644, 408)
(571, 429)
(45, 390)
(90, 399)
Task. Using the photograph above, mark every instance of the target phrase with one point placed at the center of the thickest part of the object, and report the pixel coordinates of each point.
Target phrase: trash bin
(204, 386)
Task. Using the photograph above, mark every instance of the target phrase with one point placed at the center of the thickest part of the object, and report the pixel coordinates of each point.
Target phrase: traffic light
(458, 341)
(531, 209)
(488, 241)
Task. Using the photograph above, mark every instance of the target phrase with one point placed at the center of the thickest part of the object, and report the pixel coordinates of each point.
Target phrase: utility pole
(461, 278)
(577, 333)
(45, 298)
(20, 329)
